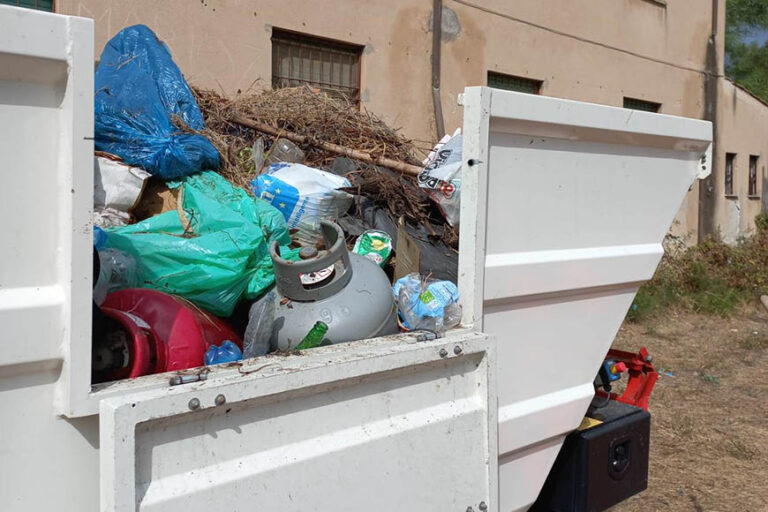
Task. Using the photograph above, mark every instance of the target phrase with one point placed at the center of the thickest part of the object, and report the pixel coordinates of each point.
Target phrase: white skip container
(564, 207)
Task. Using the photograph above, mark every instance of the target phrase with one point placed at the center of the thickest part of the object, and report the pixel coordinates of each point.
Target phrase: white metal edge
(493, 425)
(542, 109)
(267, 364)
(517, 275)
(35, 44)
(119, 416)
(76, 175)
(474, 199)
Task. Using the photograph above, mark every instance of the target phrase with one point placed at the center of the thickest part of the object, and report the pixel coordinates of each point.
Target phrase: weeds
(754, 341)
(738, 450)
(710, 379)
(711, 277)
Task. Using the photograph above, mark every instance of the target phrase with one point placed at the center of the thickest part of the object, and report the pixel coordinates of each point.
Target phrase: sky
(758, 36)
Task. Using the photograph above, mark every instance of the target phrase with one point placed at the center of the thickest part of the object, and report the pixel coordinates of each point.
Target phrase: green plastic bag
(215, 256)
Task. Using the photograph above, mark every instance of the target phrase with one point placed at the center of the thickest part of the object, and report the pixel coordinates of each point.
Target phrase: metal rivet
(470, 509)
(194, 404)
(649, 358)
(457, 350)
(220, 400)
(482, 506)
(443, 352)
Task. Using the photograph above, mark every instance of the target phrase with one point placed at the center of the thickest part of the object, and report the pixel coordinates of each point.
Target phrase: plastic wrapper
(140, 97)
(305, 196)
(117, 271)
(441, 178)
(261, 319)
(212, 251)
(374, 245)
(428, 304)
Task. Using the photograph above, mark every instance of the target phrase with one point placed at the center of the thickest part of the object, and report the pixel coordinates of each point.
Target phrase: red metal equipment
(161, 333)
(642, 377)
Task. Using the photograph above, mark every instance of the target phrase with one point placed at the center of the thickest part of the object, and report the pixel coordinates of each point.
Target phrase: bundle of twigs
(317, 121)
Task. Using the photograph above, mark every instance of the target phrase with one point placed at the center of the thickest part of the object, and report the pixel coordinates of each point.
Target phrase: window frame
(729, 174)
(292, 39)
(534, 83)
(752, 191)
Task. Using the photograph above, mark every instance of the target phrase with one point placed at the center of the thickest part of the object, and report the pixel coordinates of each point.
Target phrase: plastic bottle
(226, 353)
(284, 150)
(257, 154)
(314, 337)
(261, 319)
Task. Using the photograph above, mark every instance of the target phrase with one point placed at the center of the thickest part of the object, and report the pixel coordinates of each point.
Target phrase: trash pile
(274, 221)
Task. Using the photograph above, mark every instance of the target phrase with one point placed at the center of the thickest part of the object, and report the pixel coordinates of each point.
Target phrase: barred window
(513, 83)
(730, 159)
(647, 106)
(753, 161)
(329, 65)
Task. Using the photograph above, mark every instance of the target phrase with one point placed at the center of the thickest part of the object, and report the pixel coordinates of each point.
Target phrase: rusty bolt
(220, 400)
(194, 404)
(443, 352)
(457, 350)
(482, 506)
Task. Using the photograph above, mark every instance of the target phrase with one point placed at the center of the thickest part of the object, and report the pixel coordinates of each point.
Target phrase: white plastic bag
(116, 185)
(442, 177)
(304, 195)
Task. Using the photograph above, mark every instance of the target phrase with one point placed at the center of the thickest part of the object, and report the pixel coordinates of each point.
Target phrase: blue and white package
(304, 195)
(427, 304)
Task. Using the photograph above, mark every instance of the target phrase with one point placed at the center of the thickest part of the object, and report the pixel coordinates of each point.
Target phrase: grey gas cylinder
(349, 292)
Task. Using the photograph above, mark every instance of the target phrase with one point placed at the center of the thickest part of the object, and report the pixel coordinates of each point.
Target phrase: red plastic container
(165, 332)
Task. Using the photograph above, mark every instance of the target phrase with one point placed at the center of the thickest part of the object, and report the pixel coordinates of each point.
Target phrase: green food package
(374, 245)
(214, 252)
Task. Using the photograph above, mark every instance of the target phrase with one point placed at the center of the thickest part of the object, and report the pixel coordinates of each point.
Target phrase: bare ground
(709, 426)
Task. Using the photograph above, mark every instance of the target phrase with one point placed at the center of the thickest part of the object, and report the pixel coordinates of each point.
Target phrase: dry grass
(709, 430)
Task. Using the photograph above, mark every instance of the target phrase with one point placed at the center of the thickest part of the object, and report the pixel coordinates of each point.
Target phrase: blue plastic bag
(138, 89)
(228, 352)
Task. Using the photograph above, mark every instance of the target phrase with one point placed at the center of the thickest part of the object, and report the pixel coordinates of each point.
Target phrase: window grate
(513, 83)
(730, 159)
(40, 5)
(331, 66)
(646, 106)
(753, 161)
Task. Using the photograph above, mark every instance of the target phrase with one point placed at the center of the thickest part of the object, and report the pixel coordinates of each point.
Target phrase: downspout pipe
(437, 35)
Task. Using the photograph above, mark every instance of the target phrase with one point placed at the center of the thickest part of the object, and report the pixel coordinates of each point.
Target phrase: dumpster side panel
(577, 199)
(379, 425)
(46, 127)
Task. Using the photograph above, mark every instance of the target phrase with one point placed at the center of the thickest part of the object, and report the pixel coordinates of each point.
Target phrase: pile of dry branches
(317, 116)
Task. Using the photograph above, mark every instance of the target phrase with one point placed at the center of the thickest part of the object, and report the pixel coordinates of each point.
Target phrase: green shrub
(710, 278)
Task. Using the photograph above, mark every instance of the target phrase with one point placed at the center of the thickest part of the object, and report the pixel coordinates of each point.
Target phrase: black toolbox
(599, 465)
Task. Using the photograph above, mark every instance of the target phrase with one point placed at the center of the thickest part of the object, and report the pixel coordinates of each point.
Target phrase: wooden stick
(401, 167)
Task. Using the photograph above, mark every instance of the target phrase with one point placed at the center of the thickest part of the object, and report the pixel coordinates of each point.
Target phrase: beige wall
(225, 44)
(742, 123)
(590, 50)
